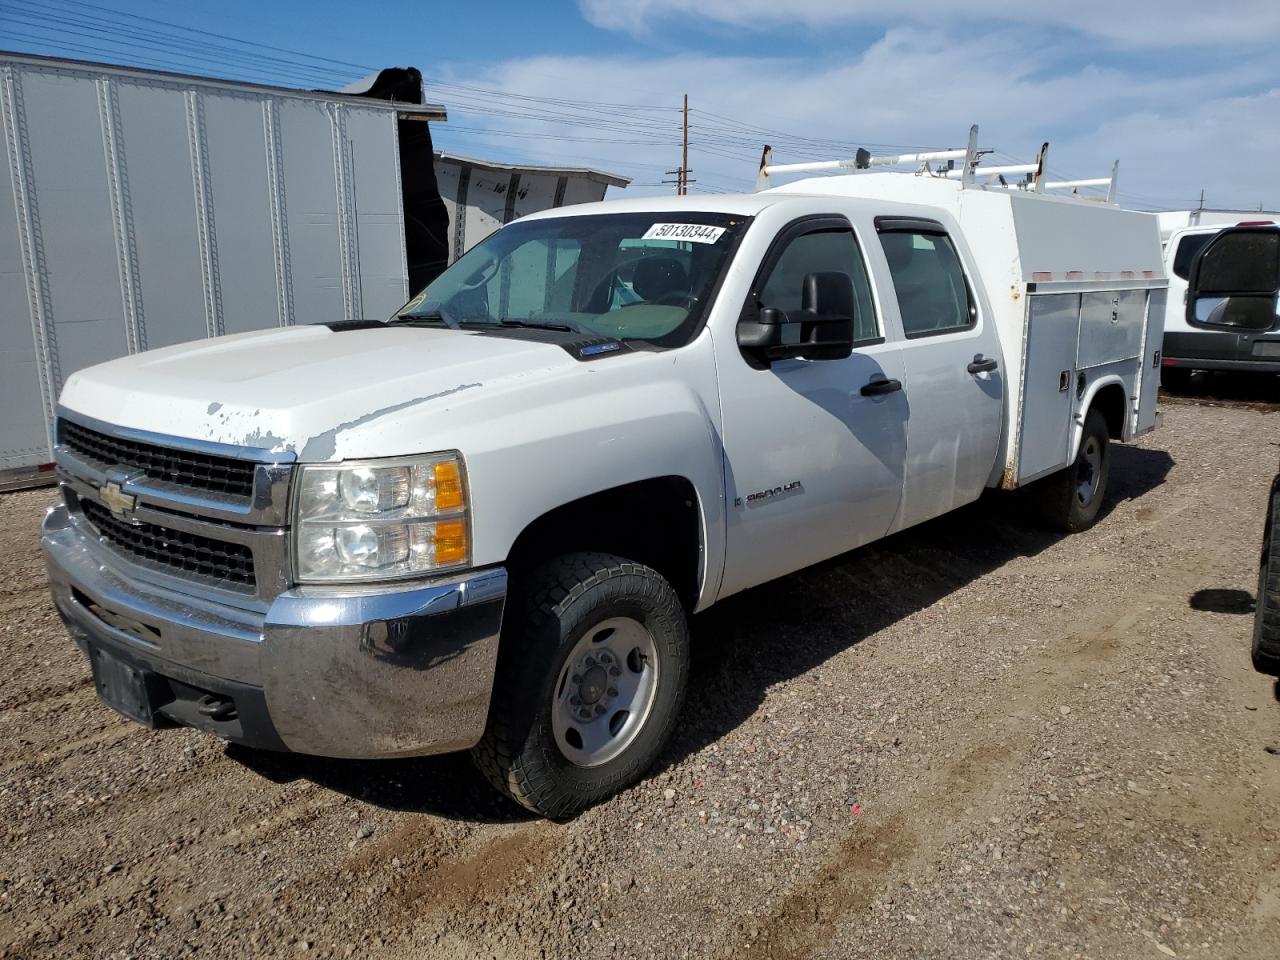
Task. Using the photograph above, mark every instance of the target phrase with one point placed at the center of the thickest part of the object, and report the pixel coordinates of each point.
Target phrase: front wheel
(1266, 627)
(591, 677)
(1070, 499)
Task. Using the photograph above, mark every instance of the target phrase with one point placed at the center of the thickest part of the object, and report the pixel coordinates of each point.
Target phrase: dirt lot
(973, 740)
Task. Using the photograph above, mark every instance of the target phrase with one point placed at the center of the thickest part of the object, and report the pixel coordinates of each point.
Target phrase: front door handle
(982, 364)
(878, 388)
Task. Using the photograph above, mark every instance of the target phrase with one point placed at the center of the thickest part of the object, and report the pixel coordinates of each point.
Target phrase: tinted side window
(929, 282)
(823, 250)
(1188, 247)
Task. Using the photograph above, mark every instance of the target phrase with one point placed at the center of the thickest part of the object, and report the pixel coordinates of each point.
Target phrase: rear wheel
(1266, 626)
(1070, 499)
(590, 680)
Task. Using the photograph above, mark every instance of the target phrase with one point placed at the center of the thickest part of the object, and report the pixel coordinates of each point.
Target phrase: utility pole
(684, 151)
(681, 175)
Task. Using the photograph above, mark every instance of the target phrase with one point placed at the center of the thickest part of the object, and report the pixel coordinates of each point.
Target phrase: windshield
(644, 277)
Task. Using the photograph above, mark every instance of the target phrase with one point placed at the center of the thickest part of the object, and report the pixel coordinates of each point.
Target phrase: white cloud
(1135, 23)
(1173, 135)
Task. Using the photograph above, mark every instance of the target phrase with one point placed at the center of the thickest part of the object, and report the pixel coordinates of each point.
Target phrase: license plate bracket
(123, 686)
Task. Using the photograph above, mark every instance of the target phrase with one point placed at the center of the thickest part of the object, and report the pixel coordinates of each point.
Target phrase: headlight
(380, 519)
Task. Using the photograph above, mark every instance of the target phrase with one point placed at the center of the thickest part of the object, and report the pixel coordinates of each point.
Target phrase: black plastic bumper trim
(1216, 351)
(179, 693)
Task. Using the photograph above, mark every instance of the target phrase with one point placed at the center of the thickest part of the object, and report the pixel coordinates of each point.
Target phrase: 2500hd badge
(760, 496)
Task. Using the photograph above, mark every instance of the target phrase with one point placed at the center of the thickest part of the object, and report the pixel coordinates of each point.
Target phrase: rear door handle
(878, 388)
(982, 364)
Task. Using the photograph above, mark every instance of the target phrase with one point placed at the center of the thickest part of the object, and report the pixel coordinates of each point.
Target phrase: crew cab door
(954, 375)
(814, 449)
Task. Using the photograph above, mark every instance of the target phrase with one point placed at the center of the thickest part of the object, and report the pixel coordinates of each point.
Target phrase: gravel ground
(971, 740)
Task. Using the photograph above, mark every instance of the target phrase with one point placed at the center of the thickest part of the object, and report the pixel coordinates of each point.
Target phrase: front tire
(1070, 499)
(1266, 626)
(591, 677)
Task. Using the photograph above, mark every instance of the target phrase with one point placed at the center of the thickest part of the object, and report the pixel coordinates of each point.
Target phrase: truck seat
(655, 277)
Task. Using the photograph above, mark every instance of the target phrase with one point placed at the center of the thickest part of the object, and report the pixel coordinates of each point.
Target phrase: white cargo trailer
(151, 208)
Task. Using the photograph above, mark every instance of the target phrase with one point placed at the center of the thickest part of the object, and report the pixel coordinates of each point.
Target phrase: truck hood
(300, 389)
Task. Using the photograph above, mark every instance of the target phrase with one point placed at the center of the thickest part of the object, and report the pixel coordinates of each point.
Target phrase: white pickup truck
(486, 522)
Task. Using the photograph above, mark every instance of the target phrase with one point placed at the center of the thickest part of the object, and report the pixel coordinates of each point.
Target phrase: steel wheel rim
(605, 691)
(1088, 470)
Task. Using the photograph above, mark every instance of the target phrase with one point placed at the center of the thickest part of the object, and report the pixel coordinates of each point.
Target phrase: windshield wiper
(540, 324)
(435, 317)
(560, 325)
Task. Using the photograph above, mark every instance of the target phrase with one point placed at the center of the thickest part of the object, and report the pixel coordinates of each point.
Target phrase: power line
(100, 31)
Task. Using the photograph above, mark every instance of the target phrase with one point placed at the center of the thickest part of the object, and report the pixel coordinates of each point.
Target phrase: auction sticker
(693, 232)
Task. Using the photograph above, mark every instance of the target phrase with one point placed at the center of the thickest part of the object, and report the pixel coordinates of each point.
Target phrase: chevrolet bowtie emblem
(115, 499)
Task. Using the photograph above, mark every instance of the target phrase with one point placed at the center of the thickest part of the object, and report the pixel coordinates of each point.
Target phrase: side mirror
(1234, 280)
(822, 329)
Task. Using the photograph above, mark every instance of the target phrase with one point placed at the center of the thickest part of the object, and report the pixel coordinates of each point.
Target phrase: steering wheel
(677, 298)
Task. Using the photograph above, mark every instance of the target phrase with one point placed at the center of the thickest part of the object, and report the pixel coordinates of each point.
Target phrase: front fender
(535, 442)
(572, 450)
(533, 447)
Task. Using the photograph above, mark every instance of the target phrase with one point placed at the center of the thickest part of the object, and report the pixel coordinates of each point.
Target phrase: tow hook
(216, 708)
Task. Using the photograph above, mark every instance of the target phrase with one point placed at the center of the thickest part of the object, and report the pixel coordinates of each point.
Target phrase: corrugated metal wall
(147, 211)
(481, 198)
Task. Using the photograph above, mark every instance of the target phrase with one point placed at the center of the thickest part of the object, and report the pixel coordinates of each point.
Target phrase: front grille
(200, 471)
(174, 549)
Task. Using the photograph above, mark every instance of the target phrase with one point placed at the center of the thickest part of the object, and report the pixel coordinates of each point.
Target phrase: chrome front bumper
(354, 672)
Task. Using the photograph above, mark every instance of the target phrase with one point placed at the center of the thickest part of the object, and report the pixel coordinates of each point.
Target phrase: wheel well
(654, 522)
(1110, 402)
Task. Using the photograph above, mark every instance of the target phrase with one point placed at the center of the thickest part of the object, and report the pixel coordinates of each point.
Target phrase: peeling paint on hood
(324, 445)
(307, 390)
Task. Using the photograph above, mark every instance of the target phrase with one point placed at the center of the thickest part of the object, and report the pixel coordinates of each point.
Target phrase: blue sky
(1186, 95)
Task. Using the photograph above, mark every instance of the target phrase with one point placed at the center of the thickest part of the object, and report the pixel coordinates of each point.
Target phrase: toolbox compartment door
(1149, 368)
(1044, 423)
(1111, 326)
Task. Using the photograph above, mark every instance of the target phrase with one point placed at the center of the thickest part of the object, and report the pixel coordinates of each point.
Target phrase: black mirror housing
(1235, 279)
(822, 329)
(828, 296)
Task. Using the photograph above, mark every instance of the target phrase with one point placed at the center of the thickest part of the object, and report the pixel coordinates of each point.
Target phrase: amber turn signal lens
(451, 542)
(448, 486)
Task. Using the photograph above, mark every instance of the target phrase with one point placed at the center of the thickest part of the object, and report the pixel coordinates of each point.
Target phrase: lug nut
(613, 691)
(615, 671)
(605, 658)
(599, 709)
(584, 713)
(590, 661)
(574, 701)
(576, 678)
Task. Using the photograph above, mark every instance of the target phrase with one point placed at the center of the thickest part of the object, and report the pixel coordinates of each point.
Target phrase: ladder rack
(970, 173)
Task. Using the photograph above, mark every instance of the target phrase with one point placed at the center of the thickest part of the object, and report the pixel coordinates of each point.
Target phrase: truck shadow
(752, 642)
(446, 786)
(781, 630)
